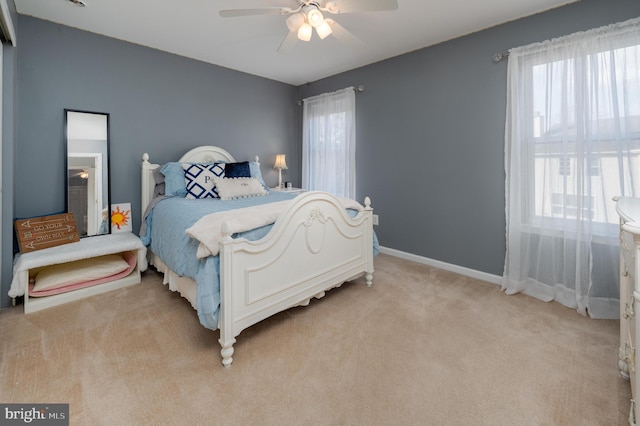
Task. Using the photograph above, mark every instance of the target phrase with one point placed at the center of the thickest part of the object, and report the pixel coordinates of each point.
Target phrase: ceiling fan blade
(232, 13)
(288, 43)
(350, 6)
(339, 32)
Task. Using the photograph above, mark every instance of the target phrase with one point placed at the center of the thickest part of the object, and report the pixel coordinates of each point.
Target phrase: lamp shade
(314, 17)
(281, 162)
(305, 31)
(295, 21)
(323, 30)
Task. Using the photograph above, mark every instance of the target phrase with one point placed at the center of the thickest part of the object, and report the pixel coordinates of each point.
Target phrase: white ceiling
(193, 28)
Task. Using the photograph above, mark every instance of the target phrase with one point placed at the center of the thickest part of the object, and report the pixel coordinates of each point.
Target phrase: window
(572, 144)
(585, 133)
(329, 140)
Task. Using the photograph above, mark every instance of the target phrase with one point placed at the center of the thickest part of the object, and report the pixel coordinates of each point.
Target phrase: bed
(235, 274)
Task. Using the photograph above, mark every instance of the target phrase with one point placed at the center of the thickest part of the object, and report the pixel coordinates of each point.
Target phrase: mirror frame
(105, 164)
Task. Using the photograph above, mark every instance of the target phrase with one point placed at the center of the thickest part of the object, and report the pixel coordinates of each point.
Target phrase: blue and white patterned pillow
(199, 179)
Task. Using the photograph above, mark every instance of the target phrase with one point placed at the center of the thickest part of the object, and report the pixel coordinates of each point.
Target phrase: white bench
(25, 265)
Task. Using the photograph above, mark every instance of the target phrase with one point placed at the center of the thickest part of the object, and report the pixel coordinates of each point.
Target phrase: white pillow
(79, 271)
(230, 188)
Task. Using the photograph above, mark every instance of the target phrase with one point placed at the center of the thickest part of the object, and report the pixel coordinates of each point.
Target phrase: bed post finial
(367, 202)
(147, 182)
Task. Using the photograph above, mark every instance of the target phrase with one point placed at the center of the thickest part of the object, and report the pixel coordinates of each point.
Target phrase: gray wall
(159, 103)
(430, 136)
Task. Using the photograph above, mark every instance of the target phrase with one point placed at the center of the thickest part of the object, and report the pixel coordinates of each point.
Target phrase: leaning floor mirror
(87, 141)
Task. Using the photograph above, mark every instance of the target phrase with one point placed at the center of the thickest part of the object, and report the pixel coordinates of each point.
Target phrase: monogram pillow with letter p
(199, 179)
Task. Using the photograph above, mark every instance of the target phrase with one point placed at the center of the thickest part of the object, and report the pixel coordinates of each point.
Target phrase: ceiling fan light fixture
(305, 31)
(310, 14)
(295, 21)
(323, 30)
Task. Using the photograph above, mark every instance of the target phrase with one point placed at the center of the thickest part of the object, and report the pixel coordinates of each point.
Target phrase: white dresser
(629, 211)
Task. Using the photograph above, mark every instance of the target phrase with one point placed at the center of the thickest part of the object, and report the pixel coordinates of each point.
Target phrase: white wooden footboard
(314, 246)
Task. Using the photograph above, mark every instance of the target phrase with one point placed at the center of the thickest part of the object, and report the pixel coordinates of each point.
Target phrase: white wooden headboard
(201, 154)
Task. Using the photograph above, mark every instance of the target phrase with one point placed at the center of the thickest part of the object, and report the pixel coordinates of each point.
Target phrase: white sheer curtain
(329, 143)
(572, 143)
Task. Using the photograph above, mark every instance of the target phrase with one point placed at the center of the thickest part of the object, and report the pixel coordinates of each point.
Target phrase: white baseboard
(493, 279)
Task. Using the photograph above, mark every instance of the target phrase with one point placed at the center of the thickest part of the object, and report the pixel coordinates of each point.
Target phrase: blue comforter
(165, 235)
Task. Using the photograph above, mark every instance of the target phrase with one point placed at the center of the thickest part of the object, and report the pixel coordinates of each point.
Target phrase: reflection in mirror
(87, 138)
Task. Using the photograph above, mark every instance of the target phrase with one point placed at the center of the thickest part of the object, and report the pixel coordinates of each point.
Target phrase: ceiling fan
(308, 15)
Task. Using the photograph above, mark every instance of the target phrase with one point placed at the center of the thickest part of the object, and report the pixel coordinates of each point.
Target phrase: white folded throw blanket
(208, 229)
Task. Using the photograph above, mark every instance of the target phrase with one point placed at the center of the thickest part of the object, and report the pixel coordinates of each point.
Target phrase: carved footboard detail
(313, 246)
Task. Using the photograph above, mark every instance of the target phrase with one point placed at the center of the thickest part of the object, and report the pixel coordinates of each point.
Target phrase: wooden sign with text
(46, 231)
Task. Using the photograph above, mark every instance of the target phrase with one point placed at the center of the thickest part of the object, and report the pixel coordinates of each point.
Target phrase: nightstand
(289, 190)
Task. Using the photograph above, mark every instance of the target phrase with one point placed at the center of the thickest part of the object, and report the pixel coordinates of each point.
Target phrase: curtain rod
(500, 56)
(359, 88)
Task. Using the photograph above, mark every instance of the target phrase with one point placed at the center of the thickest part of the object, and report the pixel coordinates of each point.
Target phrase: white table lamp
(281, 163)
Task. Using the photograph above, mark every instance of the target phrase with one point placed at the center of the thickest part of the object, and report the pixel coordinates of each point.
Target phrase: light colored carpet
(422, 346)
